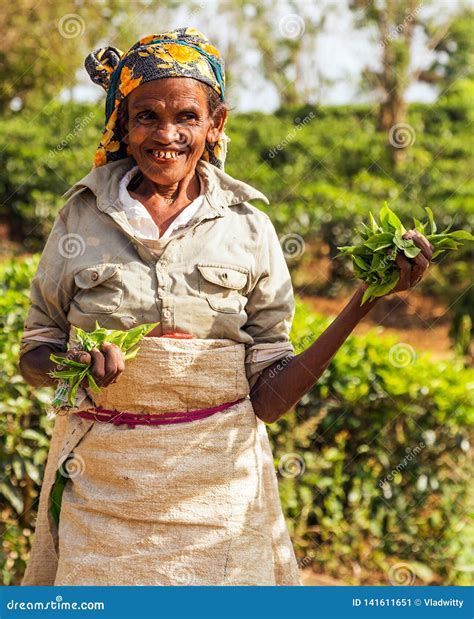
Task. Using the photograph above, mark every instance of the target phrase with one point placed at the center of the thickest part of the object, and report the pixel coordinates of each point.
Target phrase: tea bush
(373, 464)
(379, 459)
(323, 170)
(25, 428)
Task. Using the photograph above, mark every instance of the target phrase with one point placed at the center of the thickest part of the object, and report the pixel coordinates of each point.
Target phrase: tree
(395, 22)
(43, 44)
(454, 58)
(284, 35)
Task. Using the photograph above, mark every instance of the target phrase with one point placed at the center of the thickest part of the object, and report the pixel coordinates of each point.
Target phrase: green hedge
(41, 155)
(333, 167)
(25, 428)
(384, 442)
(379, 413)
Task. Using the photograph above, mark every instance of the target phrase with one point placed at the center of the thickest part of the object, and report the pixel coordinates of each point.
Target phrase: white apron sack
(193, 503)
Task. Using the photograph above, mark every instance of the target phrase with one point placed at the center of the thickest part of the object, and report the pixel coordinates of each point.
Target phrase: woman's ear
(217, 124)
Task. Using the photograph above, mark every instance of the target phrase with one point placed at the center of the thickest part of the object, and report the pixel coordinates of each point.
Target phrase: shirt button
(166, 313)
(94, 276)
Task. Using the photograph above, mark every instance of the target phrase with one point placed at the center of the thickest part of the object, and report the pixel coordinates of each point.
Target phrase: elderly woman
(180, 488)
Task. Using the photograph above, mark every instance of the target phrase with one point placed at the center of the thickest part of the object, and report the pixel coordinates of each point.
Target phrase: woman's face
(168, 125)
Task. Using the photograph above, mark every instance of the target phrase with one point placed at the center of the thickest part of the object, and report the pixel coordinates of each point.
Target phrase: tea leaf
(374, 260)
(379, 241)
(390, 220)
(411, 252)
(431, 219)
(77, 372)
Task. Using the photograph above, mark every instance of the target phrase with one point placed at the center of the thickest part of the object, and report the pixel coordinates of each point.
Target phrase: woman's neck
(165, 203)
(170, 198)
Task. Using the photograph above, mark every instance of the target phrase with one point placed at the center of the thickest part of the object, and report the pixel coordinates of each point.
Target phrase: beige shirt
(222, 275)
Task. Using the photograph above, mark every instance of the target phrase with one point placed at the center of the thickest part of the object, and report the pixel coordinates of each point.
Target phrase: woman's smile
(165, 156)
(167, 130)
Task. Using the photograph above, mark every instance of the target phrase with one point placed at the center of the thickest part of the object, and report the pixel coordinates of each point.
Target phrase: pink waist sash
(133, 419)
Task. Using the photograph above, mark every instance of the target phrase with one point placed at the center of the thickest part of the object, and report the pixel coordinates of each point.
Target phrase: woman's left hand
(412, 271)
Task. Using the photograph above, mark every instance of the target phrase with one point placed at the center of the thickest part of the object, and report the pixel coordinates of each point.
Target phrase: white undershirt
(141, 220)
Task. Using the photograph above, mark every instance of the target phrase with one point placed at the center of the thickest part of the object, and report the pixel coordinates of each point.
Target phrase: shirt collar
(141, 220)
(221, 189)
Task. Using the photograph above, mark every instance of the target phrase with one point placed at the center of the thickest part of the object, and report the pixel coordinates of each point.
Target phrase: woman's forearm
(35, 365)
(283, 384)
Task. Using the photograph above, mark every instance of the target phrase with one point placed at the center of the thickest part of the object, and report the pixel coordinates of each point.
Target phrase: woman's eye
(188, 116)
(145, 116)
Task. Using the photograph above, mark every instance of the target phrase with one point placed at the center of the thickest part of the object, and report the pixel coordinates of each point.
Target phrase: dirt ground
(311, 579)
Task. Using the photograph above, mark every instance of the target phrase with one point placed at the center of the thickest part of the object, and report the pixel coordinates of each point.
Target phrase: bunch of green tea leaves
(75, 372)
(374, 260)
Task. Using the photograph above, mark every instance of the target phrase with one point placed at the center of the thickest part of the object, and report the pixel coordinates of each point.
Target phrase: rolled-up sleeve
(50, 295)
(270, 307)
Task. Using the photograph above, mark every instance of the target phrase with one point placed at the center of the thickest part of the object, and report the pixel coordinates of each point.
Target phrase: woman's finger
(425, 246)
(83, 357)
(405, 272)
(120, 363)
(98, 366)
(416, 274)
(421, 261)
(114, 363)
(419, 268)
(110, 363)
(76, 354)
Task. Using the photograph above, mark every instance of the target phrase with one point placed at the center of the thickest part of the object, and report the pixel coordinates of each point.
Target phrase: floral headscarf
(184, 52)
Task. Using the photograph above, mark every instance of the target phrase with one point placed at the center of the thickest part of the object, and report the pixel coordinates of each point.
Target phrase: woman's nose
(166, 133)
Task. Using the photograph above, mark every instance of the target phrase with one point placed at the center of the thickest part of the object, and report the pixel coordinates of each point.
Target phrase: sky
(342, 51)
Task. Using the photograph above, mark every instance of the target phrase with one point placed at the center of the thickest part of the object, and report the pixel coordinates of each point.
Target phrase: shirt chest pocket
(100, 288)
(224, 286)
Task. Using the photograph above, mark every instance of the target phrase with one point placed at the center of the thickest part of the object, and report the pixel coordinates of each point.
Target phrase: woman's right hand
(107, 363)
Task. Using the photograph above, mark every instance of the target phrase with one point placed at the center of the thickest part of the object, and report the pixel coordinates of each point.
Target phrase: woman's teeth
(165, 154)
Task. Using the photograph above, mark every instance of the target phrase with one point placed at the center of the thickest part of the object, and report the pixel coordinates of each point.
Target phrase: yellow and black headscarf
(184, 52)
